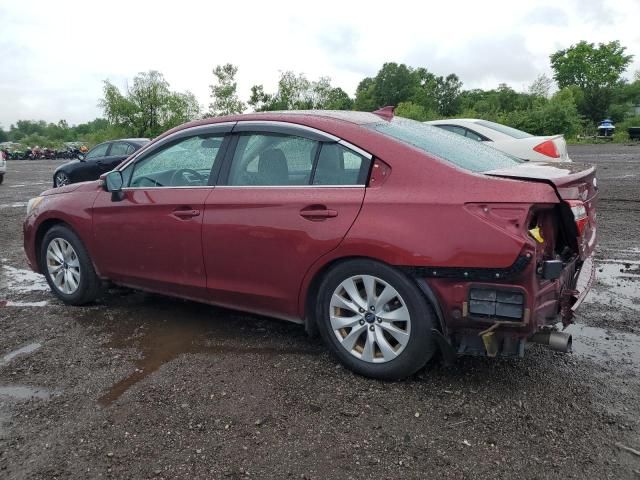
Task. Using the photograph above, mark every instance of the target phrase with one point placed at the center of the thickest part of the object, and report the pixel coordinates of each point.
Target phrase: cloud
(546, 15)
(483, 62)
(55, 55)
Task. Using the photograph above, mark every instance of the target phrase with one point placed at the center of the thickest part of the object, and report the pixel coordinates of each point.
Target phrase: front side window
(119, 149)
(186, 162)
(272, 160)
(455, 149)
(338, 165)
(97, 151)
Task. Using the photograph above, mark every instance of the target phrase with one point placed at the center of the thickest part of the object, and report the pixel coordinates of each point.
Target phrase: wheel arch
(311, 292)
(41, 231)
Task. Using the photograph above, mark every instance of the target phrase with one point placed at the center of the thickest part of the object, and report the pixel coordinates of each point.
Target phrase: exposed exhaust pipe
(558, 341)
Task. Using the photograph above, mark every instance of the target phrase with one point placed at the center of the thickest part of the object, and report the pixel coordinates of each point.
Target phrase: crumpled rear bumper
(584, 281)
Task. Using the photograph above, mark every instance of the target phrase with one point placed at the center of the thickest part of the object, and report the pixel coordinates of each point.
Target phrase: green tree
(258, 98)
(297, 92)
(595, 70)
(541, 86)
(149, 107)
(224, 94)
(365, 100)
(448, 94)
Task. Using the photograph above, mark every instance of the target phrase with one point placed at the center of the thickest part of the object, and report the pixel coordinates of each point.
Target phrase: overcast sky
(54, 55)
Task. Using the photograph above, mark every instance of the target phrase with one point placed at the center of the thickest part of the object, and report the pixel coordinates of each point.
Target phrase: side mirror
(113, 183)
(81, 157)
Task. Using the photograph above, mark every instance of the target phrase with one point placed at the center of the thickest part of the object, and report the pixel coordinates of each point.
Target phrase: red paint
(259, 249)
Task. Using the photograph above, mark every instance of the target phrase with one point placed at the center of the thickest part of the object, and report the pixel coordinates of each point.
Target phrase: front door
(152, 238)
(285, 201)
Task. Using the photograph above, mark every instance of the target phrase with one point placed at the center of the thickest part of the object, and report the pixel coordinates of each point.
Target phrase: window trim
(283, 128)
(151, 147)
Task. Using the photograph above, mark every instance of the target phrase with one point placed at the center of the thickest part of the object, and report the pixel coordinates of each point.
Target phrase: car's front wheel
(375, 320)
(61, 179)
(68, 268)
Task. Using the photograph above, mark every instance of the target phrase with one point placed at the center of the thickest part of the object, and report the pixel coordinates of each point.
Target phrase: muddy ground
(141, 386)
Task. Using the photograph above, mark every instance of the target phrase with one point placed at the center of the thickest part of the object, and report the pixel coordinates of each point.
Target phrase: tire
(1, 179)
(61, 179)
(376, 352)
(79, 283)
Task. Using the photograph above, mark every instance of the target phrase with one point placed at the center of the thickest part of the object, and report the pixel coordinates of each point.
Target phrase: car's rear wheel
(1, 179)
(375, 320)
(68, 268)
(61, 179)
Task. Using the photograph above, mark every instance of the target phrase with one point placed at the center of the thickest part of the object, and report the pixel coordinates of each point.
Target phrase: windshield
(461, 151)
(512, 132)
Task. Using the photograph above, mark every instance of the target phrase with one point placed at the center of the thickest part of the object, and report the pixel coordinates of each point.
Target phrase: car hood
(67, 164)
(82, 186)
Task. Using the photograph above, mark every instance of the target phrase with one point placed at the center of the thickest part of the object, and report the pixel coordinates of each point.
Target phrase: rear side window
(475, 136)
(453, 129)
(338, 165)
(512, 132)
(460, 151)
(118, 149)
(272, 160)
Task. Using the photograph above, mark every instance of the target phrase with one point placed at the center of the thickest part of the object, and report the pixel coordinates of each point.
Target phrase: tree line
(589, 80)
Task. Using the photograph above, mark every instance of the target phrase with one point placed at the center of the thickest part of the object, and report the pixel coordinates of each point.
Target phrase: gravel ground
(142, 386)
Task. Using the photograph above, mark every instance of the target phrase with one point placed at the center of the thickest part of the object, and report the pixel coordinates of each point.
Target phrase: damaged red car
(397, 241)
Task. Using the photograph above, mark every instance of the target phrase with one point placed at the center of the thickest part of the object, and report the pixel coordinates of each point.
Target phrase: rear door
(287, 196)
(152, 237)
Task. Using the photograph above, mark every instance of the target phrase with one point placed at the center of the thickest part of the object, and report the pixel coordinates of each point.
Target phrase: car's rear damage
(495, 312)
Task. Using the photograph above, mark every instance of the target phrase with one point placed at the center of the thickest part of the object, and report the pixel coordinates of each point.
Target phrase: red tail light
(548, 148)
(579, 213)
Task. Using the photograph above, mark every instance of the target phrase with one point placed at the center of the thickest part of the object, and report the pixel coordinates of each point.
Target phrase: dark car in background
(102, 158)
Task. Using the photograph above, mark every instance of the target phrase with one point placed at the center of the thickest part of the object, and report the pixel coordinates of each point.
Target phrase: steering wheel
(196, 176)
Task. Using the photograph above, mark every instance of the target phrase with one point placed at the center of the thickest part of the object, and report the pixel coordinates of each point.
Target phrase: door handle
(318, 213)
(185, 214)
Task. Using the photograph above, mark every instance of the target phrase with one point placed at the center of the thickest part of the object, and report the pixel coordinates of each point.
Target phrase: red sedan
(395, 240)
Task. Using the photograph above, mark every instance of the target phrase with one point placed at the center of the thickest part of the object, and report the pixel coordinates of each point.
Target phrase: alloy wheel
(63, 266)
(370, 319)
(61, 179)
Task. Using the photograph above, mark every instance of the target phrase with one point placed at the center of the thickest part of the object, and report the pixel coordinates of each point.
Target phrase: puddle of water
(603, 345)
(43, 303)
(13, 205)
(617, 283)
(163, 329)
(23, 392)
(32, 347)
(24, 281)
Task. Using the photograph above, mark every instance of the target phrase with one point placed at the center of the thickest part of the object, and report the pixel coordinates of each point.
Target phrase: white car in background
(3, 166)
(515, 142)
